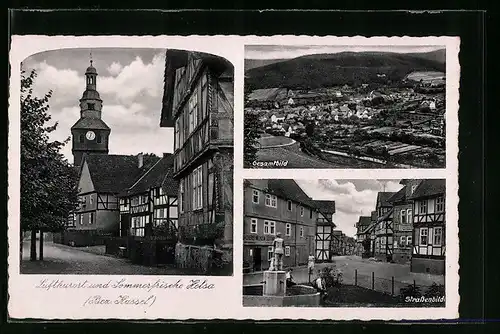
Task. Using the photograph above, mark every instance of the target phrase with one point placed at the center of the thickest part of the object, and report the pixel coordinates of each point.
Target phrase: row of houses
(407, 227)
(183, 198)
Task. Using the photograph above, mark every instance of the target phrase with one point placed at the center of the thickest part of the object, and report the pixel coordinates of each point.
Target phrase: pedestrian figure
(289, 278)
(310, 265)
(278, 246)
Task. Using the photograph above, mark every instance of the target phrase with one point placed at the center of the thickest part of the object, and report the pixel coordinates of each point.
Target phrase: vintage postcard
(226, 177)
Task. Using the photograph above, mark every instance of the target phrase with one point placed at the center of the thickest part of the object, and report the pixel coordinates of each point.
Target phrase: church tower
(90, 135)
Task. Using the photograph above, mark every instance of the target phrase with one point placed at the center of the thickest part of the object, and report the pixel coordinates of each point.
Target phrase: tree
(48, 182)
(251, 132)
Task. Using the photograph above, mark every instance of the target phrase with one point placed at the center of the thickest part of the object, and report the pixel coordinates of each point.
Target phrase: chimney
(140, 158)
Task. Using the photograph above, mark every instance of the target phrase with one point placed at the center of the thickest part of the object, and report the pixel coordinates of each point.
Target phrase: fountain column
(274, 283)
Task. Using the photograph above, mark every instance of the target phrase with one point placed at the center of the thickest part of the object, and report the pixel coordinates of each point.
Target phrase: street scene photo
(126, 162)
(381, 106)
(344, 243)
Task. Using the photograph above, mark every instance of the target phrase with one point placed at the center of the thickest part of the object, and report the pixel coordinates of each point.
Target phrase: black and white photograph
(344, 243)
(351, 106)
(126, 162)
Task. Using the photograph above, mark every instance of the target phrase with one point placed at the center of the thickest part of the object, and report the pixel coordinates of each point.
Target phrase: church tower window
(91, 106)
(99, 138)
(82, 138)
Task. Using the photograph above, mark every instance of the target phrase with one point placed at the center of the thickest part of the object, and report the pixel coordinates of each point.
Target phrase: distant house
(338, 94)
(291, 101)
(277, 118)
(361, 234)
(384, 229)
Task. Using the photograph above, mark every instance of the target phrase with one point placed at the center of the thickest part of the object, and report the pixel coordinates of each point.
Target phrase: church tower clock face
(90, 135)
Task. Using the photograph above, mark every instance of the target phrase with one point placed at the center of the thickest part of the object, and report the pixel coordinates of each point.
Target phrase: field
(425, 76)
(267, 140)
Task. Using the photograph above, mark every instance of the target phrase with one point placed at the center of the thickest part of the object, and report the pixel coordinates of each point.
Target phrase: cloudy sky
(292, 51)
(353, 198)
(130, 82)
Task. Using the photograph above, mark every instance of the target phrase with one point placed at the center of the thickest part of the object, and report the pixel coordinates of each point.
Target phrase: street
(348, 264)
(62, 259)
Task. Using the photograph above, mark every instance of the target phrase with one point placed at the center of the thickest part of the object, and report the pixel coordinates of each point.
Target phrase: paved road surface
(348, 264)
(61, 259)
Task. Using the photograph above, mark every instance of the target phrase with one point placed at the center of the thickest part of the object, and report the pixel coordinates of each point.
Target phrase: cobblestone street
(62, 259)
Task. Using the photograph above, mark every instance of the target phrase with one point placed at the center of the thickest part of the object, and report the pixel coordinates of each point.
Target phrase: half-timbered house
(279, 205)
(198, 103)
(361, 234)
(102, 177)
(383, 229)
(149, 207)
(429, 221)
(403, 222)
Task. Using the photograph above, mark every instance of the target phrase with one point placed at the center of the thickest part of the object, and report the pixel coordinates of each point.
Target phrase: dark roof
(325, 206)
(91, 94)
(382, 198)
(364, 220)
(289, 189)
(428, 188)
(159, 175)
(399, 196)
(115, 173)
(91, 69)
(90, 123)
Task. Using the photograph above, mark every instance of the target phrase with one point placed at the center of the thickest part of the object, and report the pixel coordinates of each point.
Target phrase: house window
(289, 205)
(271, 200)
(253, 226)
(409, 240)
(438, 232)
(424, 233)
(288, 229)
(403, 217)
(80, 219)
(255, 196)
(91, 218)
(181, 195)
(99, 138)
(409, 216)
(272, 227)
(287, 250)
(310, 214)
(270, 252)
(301, 232)
(402, 240)
(138, 226)
(422, 206)
(91, 199)
(197, 188)
(413, 187)
(82, 138)
(440, 204)
(302, 211)
(266, 227)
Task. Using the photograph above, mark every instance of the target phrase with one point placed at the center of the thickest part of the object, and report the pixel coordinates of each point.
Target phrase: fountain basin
(297, 295)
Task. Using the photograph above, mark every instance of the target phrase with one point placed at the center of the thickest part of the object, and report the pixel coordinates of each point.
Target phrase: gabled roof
(159, 175)
(90, 123)
(325, 206)
(429, 187)
(399, 196)
(364, 221)
(383, 196)
(115, 173)
(289, 189)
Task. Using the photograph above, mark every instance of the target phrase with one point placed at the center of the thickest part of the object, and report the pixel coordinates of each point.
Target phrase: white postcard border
(225, 300)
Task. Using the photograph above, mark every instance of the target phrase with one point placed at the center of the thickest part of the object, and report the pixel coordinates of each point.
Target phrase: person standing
(310, 265)
(278, 246)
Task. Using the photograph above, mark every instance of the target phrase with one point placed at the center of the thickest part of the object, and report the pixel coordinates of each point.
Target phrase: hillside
(254, 63)
(326, 70)
(438, 55)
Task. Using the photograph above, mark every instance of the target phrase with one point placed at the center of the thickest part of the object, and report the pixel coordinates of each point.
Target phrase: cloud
(135, 79)
(66, 85)
(350, 201)
(115, 68)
